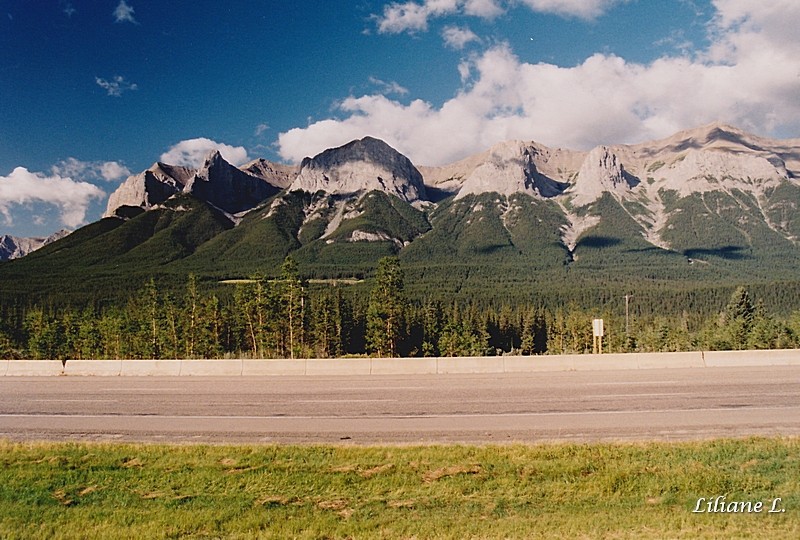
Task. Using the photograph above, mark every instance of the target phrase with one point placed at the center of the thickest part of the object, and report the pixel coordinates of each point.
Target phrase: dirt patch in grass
(455, 470)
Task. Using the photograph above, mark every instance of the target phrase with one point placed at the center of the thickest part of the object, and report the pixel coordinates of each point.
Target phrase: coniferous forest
(285, 316)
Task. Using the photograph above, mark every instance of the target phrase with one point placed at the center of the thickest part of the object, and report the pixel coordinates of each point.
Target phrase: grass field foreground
(647, 490)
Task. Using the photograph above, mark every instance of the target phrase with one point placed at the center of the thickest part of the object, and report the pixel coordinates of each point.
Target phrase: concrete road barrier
(339, 366)
(784, 357)
(258, 368)
(94, 368)
(150, 368)
(591, 362)
(397, 366)
(34, 368)
(488, 364)
(526, 364)
(404, 366)
(213, 368)
(670, 360)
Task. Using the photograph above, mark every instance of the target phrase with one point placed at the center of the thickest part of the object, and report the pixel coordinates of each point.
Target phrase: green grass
(63, 490)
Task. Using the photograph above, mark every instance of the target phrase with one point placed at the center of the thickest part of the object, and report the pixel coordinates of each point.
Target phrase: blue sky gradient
(94, 90)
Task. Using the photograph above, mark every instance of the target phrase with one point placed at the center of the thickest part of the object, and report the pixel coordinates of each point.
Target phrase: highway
(654, 404)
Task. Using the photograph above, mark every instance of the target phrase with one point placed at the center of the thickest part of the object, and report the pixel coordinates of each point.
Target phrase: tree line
(284, 318)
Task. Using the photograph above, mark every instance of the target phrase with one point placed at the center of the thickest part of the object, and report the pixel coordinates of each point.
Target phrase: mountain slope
(705, 207)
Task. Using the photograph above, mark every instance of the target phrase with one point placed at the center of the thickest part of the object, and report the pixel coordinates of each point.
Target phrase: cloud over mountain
(71, 197)
(110, 171)
(746, 76)
(193, 152)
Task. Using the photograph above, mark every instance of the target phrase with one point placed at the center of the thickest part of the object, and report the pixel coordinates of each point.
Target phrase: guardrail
(396, 366)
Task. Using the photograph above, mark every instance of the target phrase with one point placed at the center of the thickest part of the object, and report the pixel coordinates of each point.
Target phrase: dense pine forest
(285, 316)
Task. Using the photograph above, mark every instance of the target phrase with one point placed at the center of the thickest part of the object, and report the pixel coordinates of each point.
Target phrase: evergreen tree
(557, 342)
(207, 341)
(6, 345)
(293, 302)
(115, 339)
(151, 321)
(739, 318)
(431, 328)
(533, 335)
(327, 326)
(459, 339)
(43, 335)
(251, 300)
(386, 308)
(171, 317)
(191, 317)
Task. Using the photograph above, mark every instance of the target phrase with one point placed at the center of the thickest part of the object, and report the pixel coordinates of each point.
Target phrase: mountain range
(14, 247)
(703, 207)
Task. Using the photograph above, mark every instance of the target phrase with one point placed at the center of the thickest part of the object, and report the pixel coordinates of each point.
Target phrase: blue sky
(93, 90)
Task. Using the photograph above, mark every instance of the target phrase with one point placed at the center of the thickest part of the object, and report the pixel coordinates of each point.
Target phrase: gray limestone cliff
(360, 166)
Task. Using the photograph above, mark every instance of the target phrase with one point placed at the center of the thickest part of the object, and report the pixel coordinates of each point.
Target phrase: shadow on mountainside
(598, 242)
(731, 253)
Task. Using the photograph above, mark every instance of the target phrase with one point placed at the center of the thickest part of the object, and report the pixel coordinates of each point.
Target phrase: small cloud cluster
(124, 13)
(582, 9)
(193, 152)
(116, 86)
(748, 76)
(401, 17)
(388, 87)
(457, 38)
(412, 16)
(68, 9)
(110, 171)
(71, 197)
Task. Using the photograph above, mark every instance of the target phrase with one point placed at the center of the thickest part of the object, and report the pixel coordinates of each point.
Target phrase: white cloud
(124, 13)
(193, 152)
(67, 8)
(749, 76)
(411, 16)
(582, 9)
(261, 128)
(388, 87)
(110, 171)
(72, 198)
(486, 9)
(116, 86)
(458, 38)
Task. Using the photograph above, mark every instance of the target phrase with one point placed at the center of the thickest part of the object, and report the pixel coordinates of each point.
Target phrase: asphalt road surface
(668, 404)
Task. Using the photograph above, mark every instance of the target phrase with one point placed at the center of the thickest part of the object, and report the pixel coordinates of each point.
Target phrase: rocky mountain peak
(216, 182)
(227, 187)
(214, 159)
(14, 247)
(509, 168)
(149, 188)
(277, 174)
(601, 172)
(359, 166)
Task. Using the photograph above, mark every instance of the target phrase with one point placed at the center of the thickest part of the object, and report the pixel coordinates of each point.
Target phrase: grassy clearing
(61, 490)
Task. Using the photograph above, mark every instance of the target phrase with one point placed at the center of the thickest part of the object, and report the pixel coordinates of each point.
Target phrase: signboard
(597, 327)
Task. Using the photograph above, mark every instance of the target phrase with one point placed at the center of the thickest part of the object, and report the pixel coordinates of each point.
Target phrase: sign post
(597, 331)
